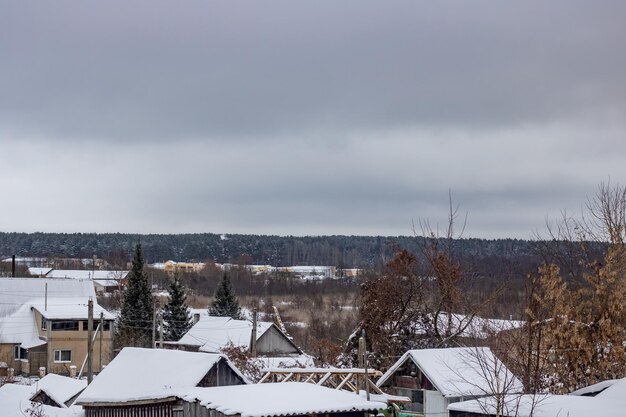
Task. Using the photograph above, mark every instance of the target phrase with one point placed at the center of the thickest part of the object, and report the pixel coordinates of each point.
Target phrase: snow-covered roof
(37, 271)
(457, 372)
(285, 399)
(68, 308)
(213, 333)
(17, 297)
(15, 400)
(605, 404)
(472, 326)
(60, 388)
(106, 283)
(140, 374)
(595, 388)
(86, 274)
(616, 392)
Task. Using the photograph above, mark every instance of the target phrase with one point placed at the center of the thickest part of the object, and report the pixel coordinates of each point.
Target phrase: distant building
(103, 281)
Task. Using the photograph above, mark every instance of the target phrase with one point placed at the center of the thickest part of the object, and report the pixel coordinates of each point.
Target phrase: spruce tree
(176, 319)
(225, 303)
(135, 321)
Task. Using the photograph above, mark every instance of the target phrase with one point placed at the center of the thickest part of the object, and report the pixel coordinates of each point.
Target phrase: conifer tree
(176, 319)
(225, 303)
(135, 322)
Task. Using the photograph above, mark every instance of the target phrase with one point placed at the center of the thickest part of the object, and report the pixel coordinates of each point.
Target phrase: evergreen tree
(225, 303)
(176, 319)
(135, 321)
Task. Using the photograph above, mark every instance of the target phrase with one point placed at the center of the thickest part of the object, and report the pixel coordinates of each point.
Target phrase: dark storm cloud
(320, 117)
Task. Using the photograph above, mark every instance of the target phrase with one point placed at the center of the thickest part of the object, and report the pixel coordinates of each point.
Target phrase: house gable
(221, 374)
(275, 342)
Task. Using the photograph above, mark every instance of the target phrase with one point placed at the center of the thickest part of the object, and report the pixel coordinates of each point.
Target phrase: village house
(148, 382)
(434, 378)
(43, 324)
(213, 334)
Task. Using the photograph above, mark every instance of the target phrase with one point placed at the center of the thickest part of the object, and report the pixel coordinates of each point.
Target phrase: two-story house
(43, 324)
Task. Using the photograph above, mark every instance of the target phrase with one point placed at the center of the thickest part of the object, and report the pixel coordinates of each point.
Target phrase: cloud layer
(321, 118)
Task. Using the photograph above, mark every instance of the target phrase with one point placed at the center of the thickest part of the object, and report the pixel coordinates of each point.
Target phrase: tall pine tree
(176, 319)
(225, 303)
(135, 321)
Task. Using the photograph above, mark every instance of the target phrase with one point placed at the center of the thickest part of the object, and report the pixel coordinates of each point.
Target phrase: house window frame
(60, 360)
(57, 324)
(19, 353)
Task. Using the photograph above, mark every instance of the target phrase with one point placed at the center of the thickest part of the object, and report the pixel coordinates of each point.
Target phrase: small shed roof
(273, 400)
(213, 333)
(60, 388)
(38, 271)
(138, 374)
(15, 400)
(455, 371)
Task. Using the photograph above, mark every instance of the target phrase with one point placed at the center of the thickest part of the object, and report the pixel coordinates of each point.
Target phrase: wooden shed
(147, 382)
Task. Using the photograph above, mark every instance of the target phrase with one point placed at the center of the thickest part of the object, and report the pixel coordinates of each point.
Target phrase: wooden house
(148, 382)
(435, 378)
(212, 334)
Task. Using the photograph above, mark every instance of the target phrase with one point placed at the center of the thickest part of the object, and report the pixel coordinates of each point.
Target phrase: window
(63, 355)
(44, 323)
(65, 326)
(107, 326)
(19, 353)
(177, 412)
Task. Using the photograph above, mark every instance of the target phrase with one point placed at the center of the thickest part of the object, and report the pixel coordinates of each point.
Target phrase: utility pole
(253, 338)
(367, 385)
(45, 303)
(100, 350)
(89, 341)
(361, 357)
(161, 331)
(153, 324)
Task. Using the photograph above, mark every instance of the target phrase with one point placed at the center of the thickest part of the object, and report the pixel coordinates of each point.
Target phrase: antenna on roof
(45, 306)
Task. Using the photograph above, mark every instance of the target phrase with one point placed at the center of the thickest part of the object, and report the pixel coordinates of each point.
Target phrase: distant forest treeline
(341, 251)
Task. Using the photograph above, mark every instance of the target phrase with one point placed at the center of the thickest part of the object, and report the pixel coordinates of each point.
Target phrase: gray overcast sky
(324, 117)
